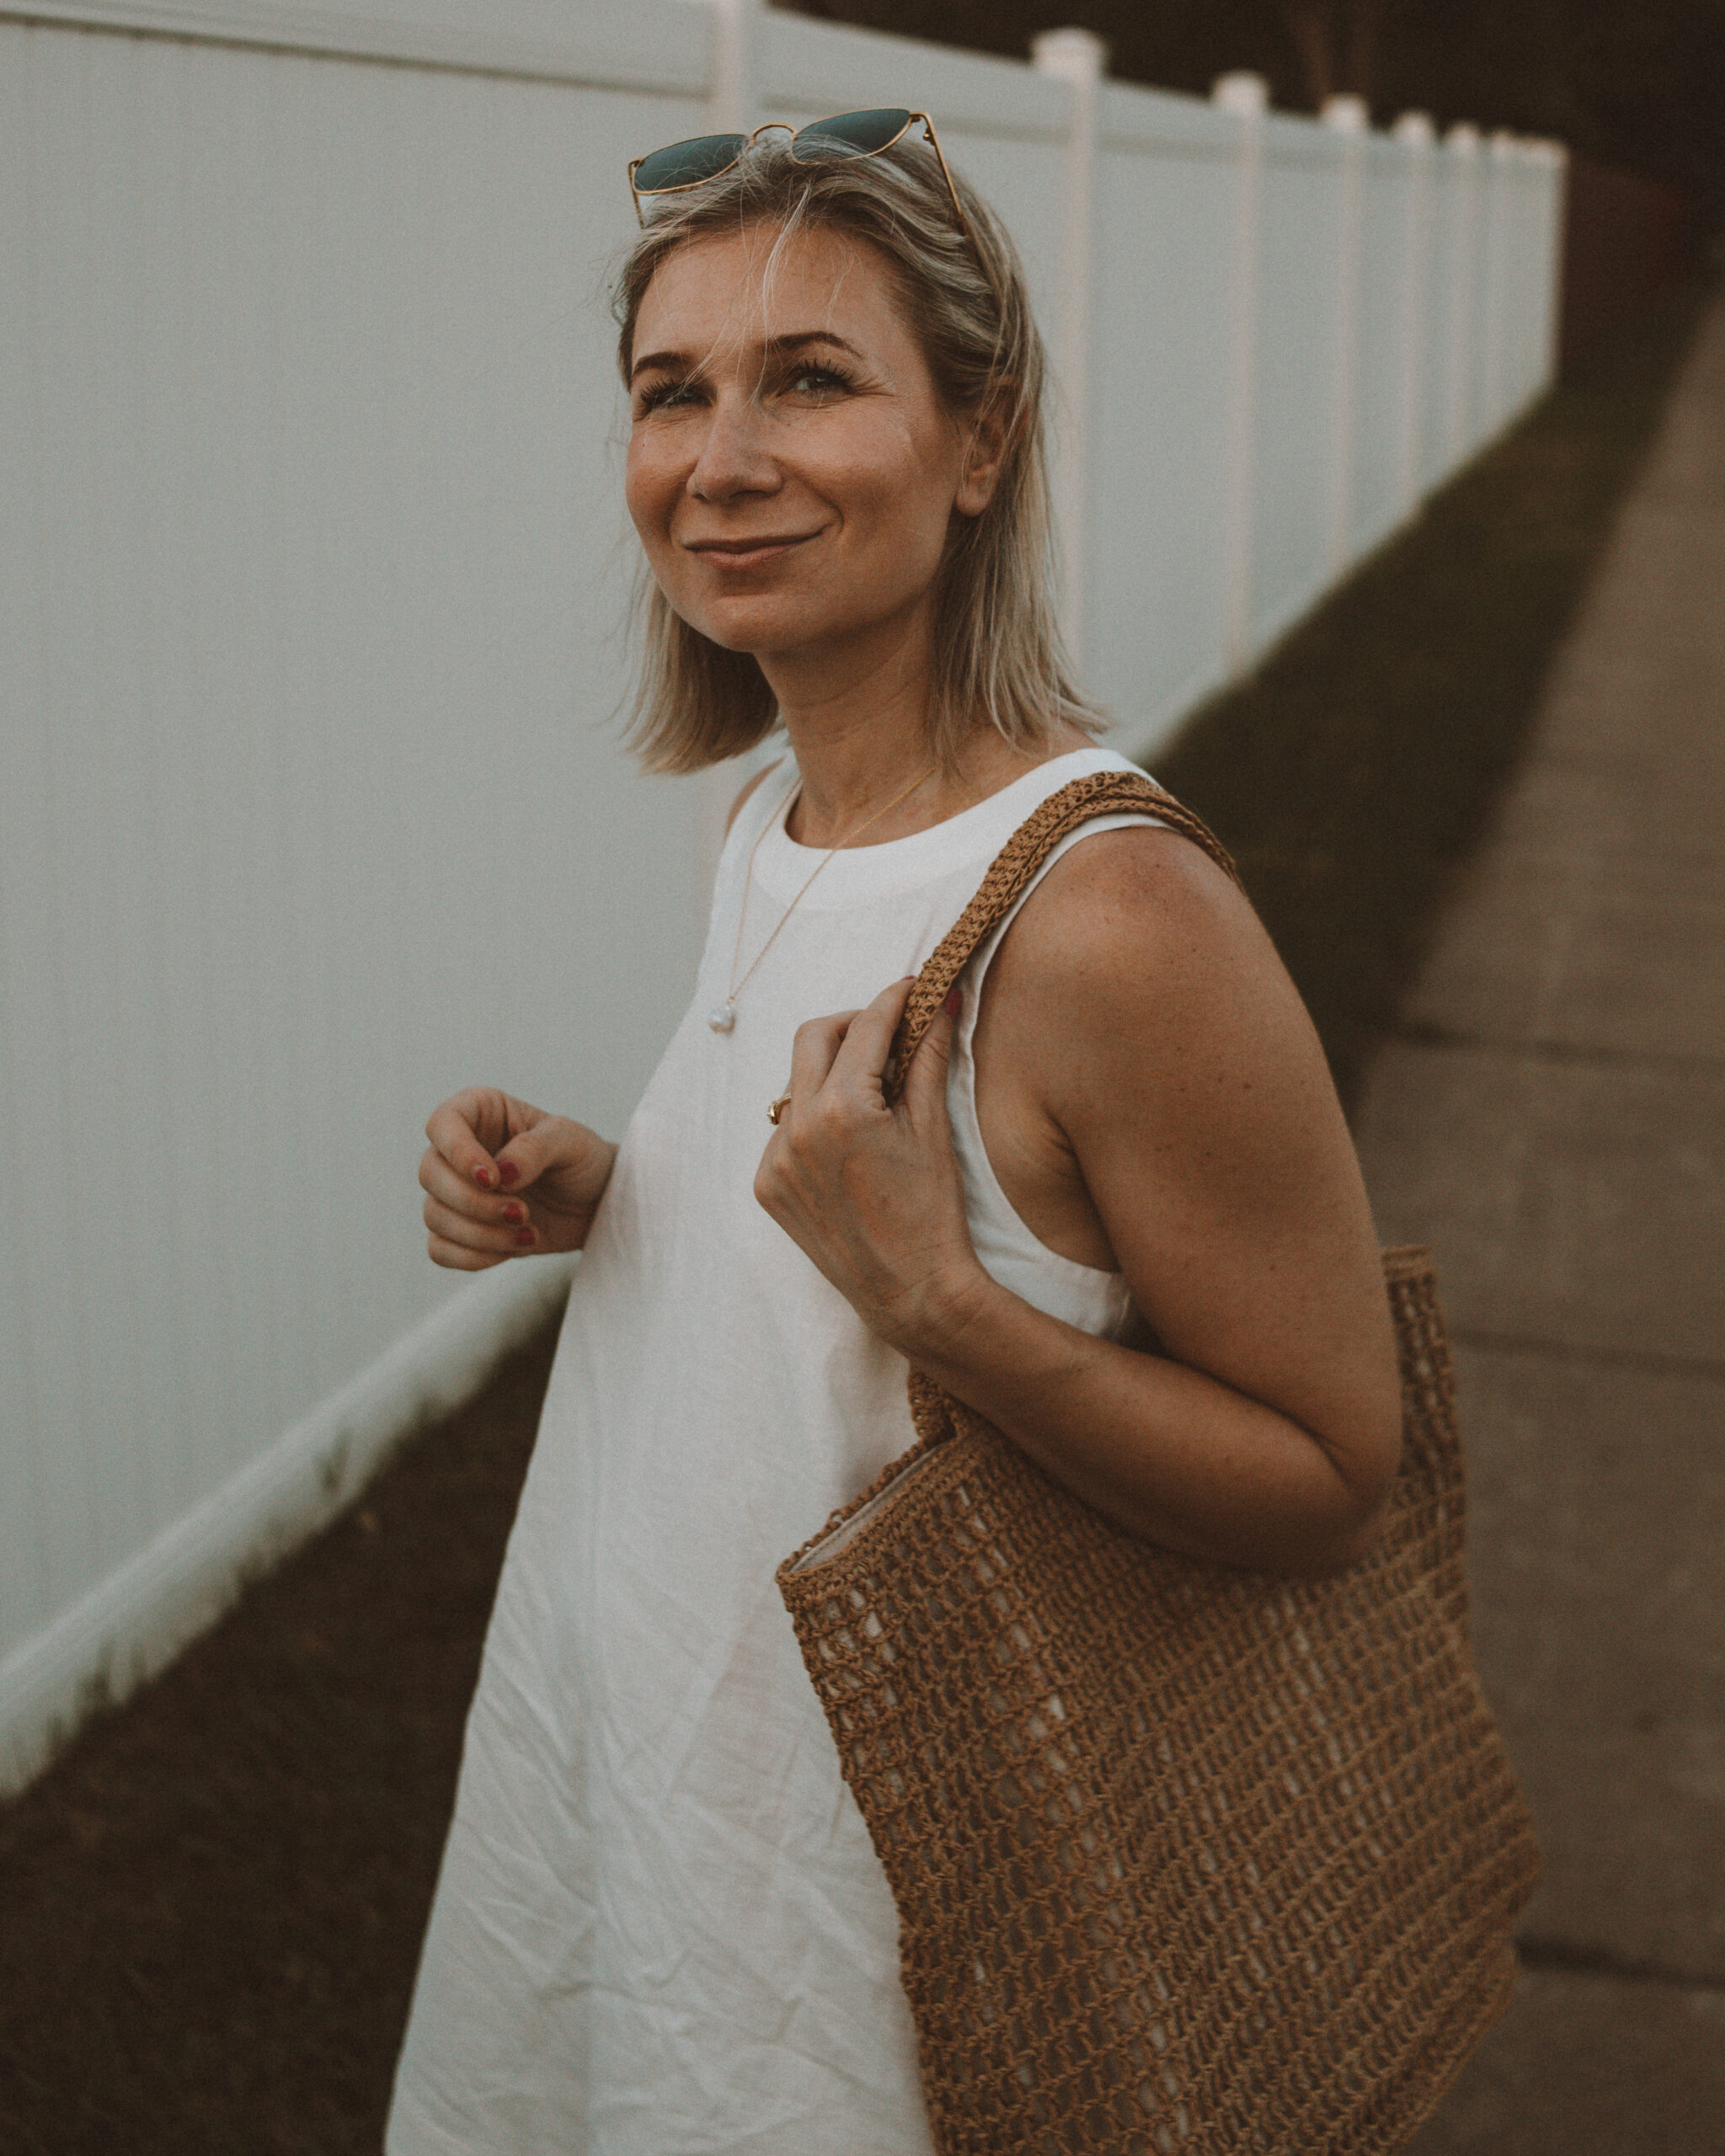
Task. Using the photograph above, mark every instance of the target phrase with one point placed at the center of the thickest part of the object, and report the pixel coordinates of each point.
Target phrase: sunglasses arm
(946, 174)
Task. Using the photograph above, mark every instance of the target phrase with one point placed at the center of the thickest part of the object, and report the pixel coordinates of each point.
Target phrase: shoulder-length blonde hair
(997, 656)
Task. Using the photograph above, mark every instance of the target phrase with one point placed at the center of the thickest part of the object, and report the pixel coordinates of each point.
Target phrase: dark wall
(1626, 241)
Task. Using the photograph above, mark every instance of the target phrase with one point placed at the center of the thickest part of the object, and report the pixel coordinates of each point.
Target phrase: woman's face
(791, 472)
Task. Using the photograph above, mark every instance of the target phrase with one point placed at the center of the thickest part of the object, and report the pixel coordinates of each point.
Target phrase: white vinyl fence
(312, 573)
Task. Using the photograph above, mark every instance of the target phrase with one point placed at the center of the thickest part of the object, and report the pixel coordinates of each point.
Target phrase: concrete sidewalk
(1551, 1121)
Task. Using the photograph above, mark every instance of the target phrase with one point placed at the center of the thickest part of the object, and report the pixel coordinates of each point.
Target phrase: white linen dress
(660, 1929)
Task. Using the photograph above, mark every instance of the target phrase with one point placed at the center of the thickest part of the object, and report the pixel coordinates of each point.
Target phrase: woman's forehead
(760, 285)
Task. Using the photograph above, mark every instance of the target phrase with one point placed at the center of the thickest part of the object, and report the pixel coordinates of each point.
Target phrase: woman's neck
(863, 744)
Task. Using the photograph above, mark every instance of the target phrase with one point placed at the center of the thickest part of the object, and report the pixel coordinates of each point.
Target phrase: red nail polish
(507, 1172)
(953, 1003)
(515, 1214)
(525, 1239)
(482, 1177)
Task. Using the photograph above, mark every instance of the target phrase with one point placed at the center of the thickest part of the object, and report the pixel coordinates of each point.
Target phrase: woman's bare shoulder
(1128, 909)
(1157, 1030)
(1138, 968)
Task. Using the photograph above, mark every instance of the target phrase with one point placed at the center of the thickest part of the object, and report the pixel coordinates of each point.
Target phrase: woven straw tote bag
(1187, 1858)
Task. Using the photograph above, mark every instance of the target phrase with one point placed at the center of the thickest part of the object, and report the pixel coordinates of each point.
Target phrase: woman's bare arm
(1156, 1030)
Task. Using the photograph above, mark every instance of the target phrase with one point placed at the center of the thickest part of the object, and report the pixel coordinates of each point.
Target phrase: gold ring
(775, 1109)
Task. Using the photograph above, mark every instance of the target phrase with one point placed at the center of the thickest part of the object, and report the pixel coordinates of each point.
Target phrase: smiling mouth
(746, 553)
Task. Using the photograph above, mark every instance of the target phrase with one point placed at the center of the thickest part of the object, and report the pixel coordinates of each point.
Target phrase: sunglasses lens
(850, 134)
(686, 164)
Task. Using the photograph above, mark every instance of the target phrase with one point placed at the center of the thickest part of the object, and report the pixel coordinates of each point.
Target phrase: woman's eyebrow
(659, 360)
(774, 348)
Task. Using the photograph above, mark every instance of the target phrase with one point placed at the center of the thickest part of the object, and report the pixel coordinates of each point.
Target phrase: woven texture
(1185, 1857)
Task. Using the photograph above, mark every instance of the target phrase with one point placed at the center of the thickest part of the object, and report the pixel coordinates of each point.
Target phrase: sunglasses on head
(682, 165)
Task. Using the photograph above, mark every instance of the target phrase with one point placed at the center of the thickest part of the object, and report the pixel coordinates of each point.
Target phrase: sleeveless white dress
(660, 1929)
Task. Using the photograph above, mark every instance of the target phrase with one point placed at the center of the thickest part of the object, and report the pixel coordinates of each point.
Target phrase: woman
(660, 1927)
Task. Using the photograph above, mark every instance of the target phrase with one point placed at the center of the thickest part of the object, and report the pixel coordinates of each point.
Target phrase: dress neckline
(781, 865)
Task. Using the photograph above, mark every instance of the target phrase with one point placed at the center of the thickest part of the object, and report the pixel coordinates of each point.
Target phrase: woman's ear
(987, 440)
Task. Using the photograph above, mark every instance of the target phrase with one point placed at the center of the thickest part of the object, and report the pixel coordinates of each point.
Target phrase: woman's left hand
(872, 1194)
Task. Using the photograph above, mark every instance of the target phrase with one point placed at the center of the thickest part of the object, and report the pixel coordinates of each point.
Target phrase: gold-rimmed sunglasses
(683, 165)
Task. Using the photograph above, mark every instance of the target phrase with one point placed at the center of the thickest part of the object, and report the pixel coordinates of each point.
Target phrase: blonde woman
(660, 1927)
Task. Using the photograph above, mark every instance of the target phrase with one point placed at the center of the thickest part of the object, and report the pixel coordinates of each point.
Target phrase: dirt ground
(212, 1904)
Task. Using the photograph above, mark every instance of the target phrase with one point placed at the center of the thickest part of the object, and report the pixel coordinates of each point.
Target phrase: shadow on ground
(1352, 774)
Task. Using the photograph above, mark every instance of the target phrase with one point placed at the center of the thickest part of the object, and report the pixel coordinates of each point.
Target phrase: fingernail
(954, 1003)
(482, 1177)
(514, 1214)
(525, 1239)
(507, 1172)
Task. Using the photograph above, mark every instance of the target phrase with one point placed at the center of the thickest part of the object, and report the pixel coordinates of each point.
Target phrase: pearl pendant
(721, 1018)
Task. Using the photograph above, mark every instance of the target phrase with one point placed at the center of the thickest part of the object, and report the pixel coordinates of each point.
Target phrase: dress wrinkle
(660, 1929)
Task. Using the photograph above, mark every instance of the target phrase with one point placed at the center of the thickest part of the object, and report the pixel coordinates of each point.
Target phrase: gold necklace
(724, 1015)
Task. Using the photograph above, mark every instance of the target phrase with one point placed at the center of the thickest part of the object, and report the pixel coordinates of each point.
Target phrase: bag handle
(1104, 793)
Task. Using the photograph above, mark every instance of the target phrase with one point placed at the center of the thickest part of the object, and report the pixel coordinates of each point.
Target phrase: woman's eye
(660, 395)
(817, 381)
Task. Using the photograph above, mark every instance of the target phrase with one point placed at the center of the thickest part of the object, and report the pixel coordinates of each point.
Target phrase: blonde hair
(998, 653)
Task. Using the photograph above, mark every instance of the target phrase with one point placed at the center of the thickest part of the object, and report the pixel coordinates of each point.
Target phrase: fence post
(1415, 134)
(1078, 58)
(1530, 272)
(1554, 209)
(1247, 98)
(1349, 117)
(734, 90)
(1500, 209)
(1462, 143)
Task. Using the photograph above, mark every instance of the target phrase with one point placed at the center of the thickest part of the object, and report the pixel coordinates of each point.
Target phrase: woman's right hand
(504, 1180)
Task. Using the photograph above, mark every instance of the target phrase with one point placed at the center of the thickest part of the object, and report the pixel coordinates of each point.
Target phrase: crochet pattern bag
(1186, 1857)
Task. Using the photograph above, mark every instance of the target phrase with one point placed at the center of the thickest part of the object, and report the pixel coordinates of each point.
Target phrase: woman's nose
(736, 458)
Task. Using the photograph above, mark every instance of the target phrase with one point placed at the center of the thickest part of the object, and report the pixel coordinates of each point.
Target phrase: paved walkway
(1552, 1122)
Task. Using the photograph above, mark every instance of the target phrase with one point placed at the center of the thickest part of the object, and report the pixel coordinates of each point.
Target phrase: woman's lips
(748, 553)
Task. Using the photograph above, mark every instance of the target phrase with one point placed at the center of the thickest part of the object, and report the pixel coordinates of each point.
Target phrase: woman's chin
(737, 625)
(730, 636)
(765, 627)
